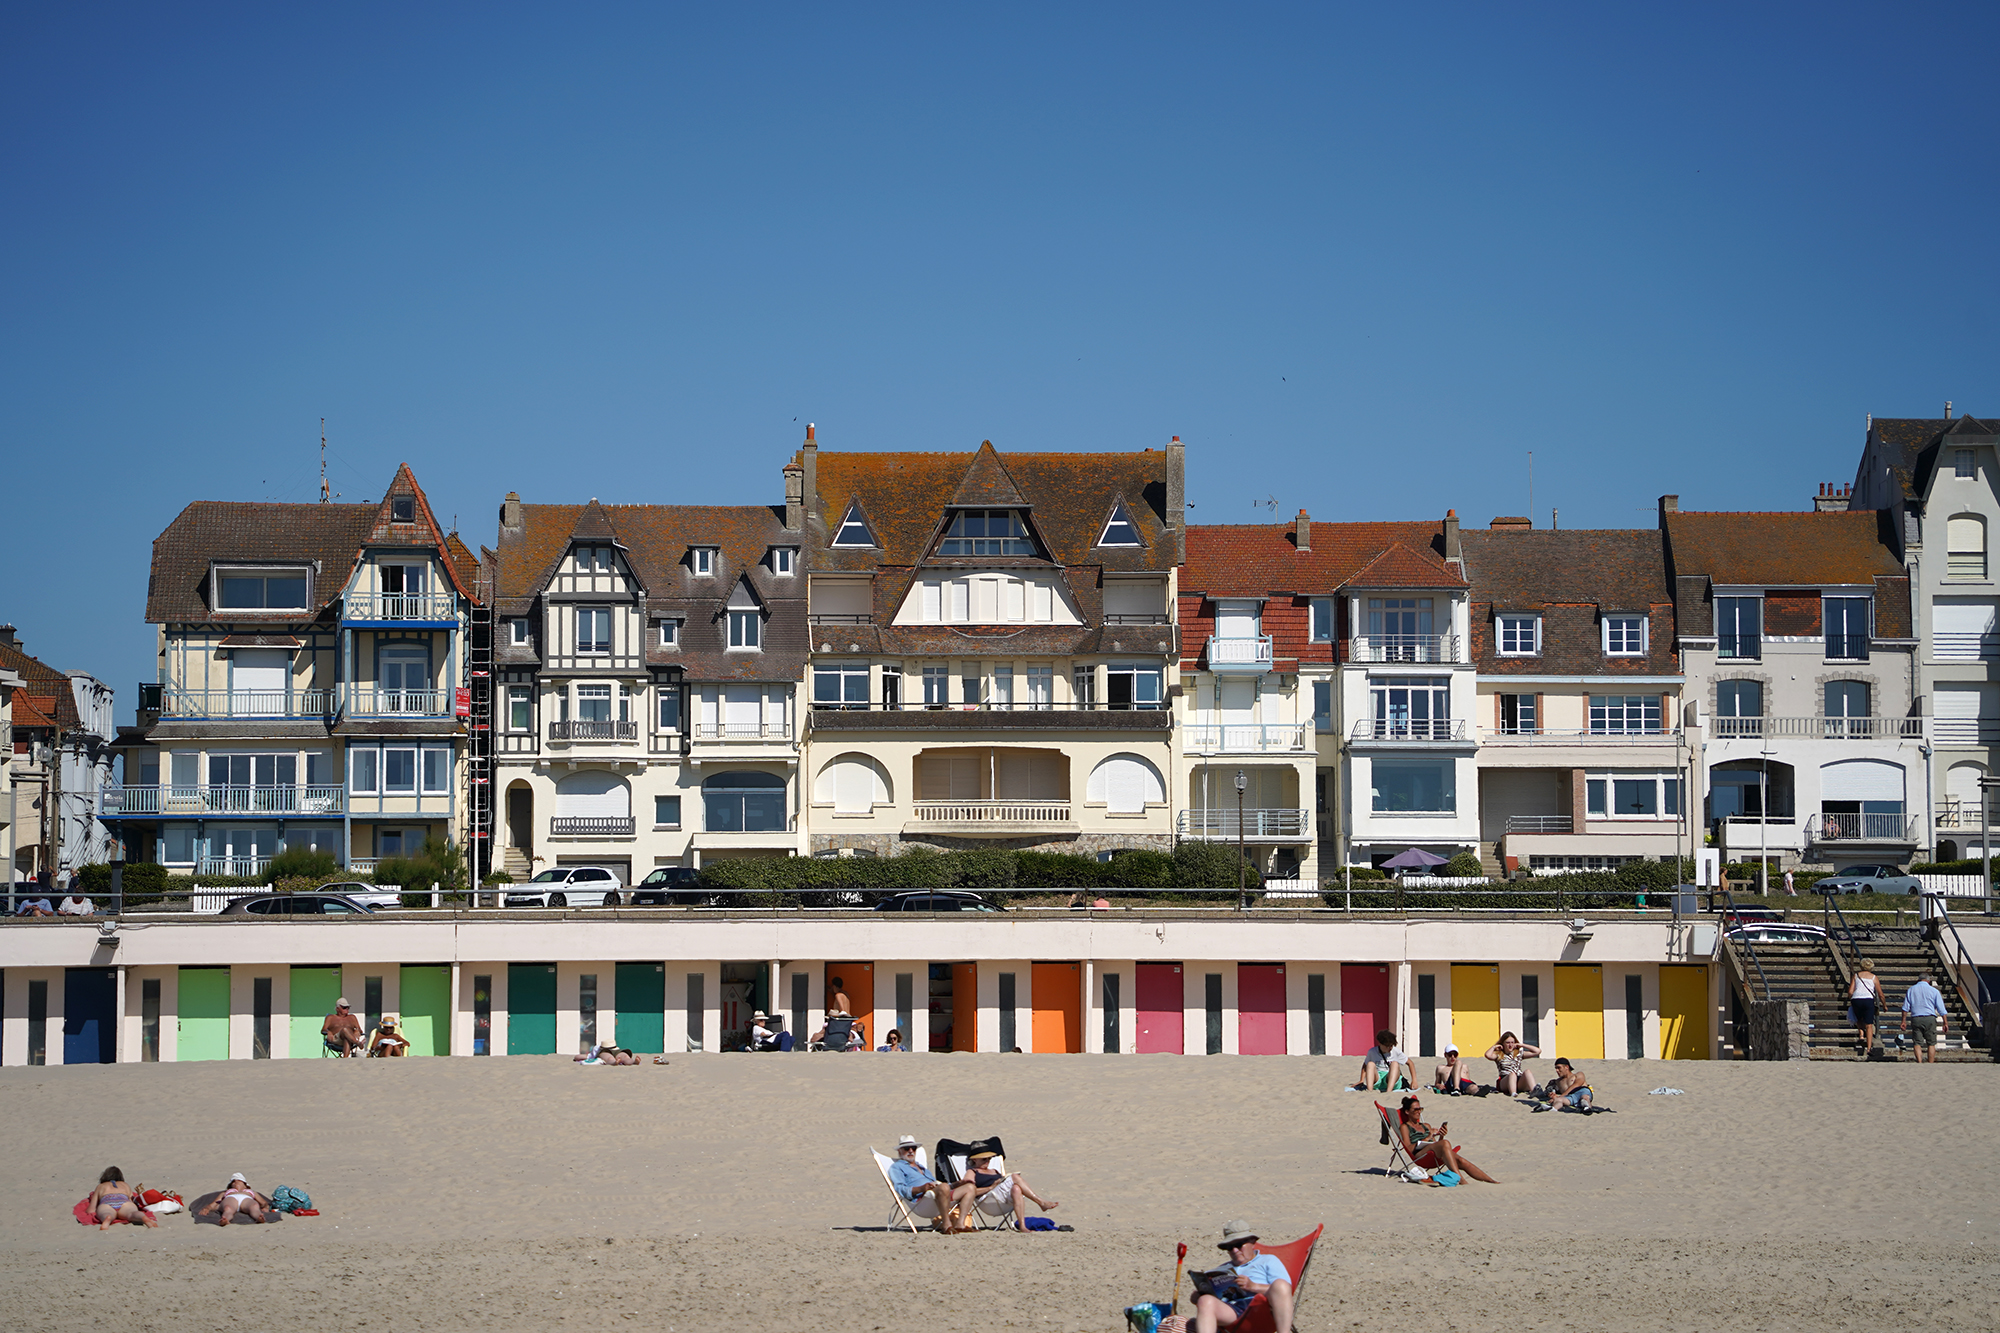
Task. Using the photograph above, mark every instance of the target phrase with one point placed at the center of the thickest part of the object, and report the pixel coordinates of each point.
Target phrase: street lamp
(1241, 783)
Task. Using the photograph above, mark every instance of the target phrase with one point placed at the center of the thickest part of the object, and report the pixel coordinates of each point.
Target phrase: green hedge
(1598, 890)
(816, 882)
(1970, 866)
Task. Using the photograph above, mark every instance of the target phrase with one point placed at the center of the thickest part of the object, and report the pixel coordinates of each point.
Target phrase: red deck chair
(1296, 1257)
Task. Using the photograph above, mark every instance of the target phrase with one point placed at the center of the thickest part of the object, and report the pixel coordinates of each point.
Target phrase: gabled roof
(905, 497)
(1909, 446)
(1402, 566)
(1256, 559)
(32, 712)
(45, 691)
(331, 536)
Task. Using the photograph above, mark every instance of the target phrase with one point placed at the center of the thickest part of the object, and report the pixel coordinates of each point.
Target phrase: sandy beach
(737, 1192)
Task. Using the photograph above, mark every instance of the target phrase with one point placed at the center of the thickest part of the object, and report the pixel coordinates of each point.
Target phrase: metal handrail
(1961, 964)
(1745, 944)
(1828, 915)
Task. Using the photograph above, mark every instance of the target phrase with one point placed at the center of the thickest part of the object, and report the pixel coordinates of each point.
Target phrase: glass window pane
(667, 811)
(242, 592)
(1635, 796)
(437, 770)
(1593, 796)
(361, 767)
(399, 770)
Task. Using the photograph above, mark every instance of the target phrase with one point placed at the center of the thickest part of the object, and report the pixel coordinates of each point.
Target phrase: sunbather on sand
(237, 1197)
(1507, 1053)
(113, 1200)
(1428, 1147)
(1454, 1076)
(607, 1055)
(1568, 1089)
(1010, 1189)
(1384, 1064)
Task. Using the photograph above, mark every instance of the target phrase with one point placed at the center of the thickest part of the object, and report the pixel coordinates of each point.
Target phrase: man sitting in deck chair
(1256, 1274)
(912, 1184)
(835, 1036)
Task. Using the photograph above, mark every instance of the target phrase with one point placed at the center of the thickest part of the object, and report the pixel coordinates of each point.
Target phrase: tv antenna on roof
(323, 497)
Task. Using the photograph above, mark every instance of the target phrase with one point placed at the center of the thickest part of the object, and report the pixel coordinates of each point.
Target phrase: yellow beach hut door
(1475, 1008)
(1580, 1011)
(1684, 1011)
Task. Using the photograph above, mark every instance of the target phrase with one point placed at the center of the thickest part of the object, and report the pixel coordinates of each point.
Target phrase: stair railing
(1829, 914)
(1956, 965)
(1744, 945)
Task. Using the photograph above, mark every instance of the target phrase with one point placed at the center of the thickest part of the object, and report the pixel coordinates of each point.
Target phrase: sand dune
(722, 1191)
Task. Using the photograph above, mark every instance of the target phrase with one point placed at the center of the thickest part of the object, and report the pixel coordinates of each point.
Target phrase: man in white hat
(1453, 1077)
(911, 1182)
(763, 1031)
(1257, 1274)
(342, 1030)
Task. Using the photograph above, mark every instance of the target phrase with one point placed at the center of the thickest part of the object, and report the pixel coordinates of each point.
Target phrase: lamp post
(1241, 783)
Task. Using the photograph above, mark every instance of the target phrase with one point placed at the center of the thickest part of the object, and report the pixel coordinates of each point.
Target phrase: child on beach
(1386, 1067)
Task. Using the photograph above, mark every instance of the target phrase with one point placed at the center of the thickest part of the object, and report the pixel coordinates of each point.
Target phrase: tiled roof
(1909, 445)
(32, 712)
(52, 687)
(332, 535)
(1406, 567)
(905, 498)
(655, 540)
(1570, 579)
(1784, 550)
(1255, 560)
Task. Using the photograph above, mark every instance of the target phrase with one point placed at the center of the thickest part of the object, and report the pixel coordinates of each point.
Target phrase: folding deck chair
(906, 1211)
(954, 1162)
(1297, 1257)
(835, 1036)
(1395, 1142)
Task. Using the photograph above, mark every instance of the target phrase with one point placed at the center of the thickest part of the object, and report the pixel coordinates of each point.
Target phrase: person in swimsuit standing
(238, 1197)
(114, 1200)
(1507, 1053)
(1865, 995)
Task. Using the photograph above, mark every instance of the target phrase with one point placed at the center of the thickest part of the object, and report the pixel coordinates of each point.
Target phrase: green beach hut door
(531, 1009)
(204, 1014)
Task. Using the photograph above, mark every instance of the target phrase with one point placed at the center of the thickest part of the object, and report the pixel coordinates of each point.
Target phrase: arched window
(740, 801)
(1965, 547)
(853, 783)
(1126, 784)
(1961, 793)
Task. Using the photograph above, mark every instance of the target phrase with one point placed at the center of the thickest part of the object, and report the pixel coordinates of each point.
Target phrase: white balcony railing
(375, 701)
(295, 703)
(1251, 653)
(361, 865)
(1538, 823)
(742, 731)
(1247, 738)
(226, 800)
(992, 812)
(592, 826)
(592, 729)
(1861, 828)
(1505, 736)
(1222, 822)
(400, 606)
(1409, 729)
(1820, 728)
(241, 866)
(1403, 648)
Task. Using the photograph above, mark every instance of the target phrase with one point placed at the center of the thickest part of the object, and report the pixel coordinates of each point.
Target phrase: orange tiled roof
(1256, 559)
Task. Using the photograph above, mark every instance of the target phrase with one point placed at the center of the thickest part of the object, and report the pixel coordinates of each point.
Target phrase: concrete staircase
(514, 864)
(1808, 972)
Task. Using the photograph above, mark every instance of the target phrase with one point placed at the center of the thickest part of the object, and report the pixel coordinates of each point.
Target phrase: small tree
(1463, 866)
(304, 863)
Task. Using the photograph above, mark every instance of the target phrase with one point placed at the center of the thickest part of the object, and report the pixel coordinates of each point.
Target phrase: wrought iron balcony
(1825, 728)
(294, 703)
(1409, 729)
(1244, 656)
(1267, 824)
(1246, 738)
(434, 607)
(591, 729)
(592, 826)
(1538, 823)
(1404, 648)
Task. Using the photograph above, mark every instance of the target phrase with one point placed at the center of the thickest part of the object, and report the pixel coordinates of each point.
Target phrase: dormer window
(1119, 530)
(403, 509)
(1963, 466)
(853, 529)
(746, 629)
(702, 560)
(594, 559)
(1520, 636)
(783, 560)
(1624, 636)
(517, 632)
(261, 589)
(986, 532)
(670, 634)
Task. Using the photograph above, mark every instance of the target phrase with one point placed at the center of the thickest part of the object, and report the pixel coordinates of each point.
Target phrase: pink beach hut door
(1160, 997)
(1364, 1005)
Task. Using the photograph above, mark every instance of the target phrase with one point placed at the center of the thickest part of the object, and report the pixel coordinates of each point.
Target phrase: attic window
(783, 559)
(590, 558)
(1963, 464)
(403, 509)
(853, 530)
(1120, 530)
(702, 560)
(986, 532)
(260, 590)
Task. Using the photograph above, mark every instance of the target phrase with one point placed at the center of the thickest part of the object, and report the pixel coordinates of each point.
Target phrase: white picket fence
(1954, 886)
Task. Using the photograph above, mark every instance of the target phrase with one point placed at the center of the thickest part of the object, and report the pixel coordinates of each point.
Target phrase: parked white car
(568, 886)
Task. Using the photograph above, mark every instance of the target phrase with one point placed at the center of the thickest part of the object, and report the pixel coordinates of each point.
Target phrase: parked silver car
(568, 886)
(1868, 879)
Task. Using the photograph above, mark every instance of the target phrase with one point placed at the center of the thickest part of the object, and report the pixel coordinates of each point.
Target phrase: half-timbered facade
(646, 661)
(992, 647)
(310, 664)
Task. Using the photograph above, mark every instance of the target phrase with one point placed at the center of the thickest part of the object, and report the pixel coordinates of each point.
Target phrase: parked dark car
(935, 900)
(675, 886)
(1869, 879)
(296, 904)
(372, 895)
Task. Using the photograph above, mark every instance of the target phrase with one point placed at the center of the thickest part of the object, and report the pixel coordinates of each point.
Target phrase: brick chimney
(7, 637)
(1669, 504)
(1833, 498)
(510, 512)
(795, 496)
(809, 476)
(1177, 497)
(1302, 532)
(1451, 546)
(1512, 521)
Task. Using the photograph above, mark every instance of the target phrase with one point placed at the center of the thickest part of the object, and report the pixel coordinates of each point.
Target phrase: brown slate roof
(1909, 446)
(654, 541)
(334, 535)
(1784, 551)
(1571, 578)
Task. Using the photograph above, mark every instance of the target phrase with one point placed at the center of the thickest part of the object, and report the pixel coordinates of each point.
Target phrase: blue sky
(1361, 262)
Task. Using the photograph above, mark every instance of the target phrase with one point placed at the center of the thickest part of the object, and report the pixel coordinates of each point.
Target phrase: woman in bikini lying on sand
(113, 1200)
(237, 1197)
